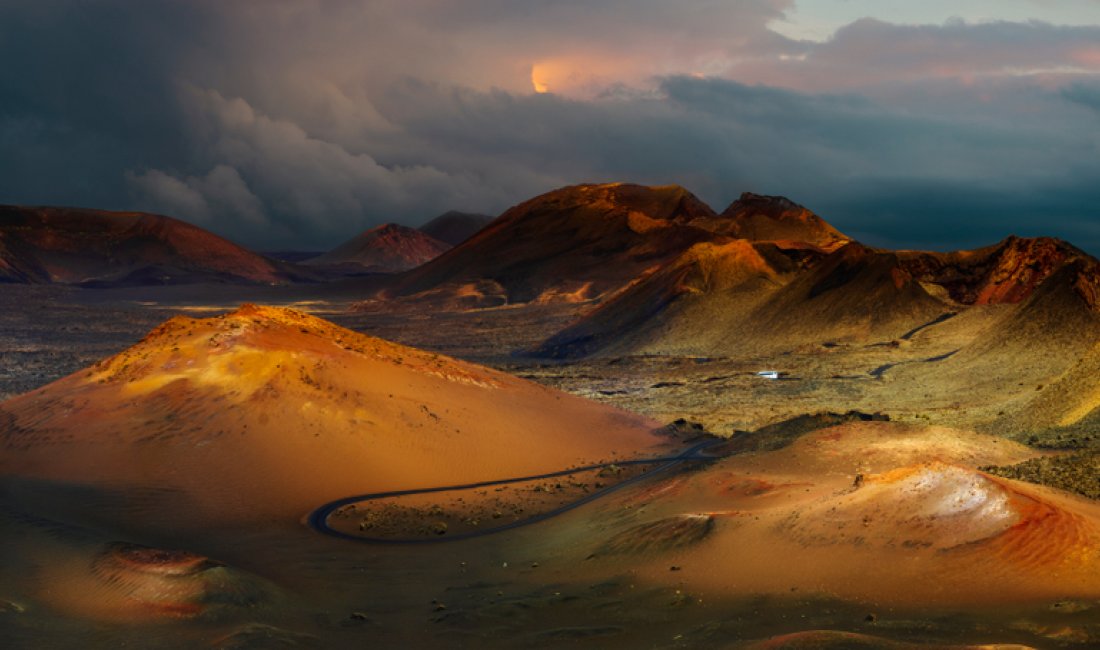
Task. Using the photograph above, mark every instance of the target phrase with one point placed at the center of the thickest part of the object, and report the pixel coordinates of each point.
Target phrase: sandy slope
(1035, 345)
(268, 411)
(1073, 398)
(255, 417)
(694, 298)
(872, 511)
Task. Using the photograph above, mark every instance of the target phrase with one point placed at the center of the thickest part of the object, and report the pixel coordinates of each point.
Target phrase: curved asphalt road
(318, 519)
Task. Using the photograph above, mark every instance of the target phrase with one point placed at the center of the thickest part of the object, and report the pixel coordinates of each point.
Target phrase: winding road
(318, 519)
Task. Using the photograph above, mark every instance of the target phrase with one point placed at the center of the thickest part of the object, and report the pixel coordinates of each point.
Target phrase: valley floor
(47, 332)
(287, 586)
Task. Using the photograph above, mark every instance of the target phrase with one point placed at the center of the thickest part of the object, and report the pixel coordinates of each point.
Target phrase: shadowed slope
(1068, 313)
(1041, 338)
(701, 304)
(455, 227)
(683, 306)
(127, 583)
(721, 299)
(855, 294)
(593, 238)
(388, 248)
(73, 245)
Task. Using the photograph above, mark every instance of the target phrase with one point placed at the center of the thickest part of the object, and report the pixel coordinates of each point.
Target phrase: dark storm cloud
(898, 178)
(889, 176)
(84, 94)
(903, 213)
(1087, 95)
(296, 124)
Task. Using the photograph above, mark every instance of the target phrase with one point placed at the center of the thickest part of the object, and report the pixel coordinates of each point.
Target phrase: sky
(296, 124)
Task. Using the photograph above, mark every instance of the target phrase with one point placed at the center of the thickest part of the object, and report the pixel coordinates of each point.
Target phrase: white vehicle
(768, 374)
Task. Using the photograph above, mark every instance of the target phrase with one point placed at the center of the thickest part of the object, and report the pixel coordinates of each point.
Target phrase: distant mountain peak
(389, 228)
(661, 202)
(106, 248)
(1006, 272)
(600, 236)
(765, 201)
(760, 217)
(389, 247)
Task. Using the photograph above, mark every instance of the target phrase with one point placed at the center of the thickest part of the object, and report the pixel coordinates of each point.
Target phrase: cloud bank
(286, 124)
